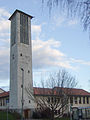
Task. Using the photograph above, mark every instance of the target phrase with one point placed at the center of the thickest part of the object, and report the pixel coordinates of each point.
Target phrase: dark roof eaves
(20, 12)
(2, 90)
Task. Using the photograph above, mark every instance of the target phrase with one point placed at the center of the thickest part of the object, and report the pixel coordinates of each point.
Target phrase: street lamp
(22, 92)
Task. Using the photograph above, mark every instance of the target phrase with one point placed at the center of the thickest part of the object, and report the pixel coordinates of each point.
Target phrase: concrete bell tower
(20, 60)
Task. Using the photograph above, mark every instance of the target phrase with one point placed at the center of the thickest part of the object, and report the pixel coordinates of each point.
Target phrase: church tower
(20, 60)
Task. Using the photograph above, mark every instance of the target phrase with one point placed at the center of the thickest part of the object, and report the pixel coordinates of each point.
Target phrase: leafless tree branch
(54, 94)
(80, 8)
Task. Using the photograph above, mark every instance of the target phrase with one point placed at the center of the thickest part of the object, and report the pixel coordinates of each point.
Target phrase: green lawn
(3, 116)
(64, 119)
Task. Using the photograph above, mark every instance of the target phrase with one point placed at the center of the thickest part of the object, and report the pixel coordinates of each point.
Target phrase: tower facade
(20, 60)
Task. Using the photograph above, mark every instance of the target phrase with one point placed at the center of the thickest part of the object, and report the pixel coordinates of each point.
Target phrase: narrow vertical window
(71, 99)
(75, 100)
(80, 100)
(83, 100)
(87, 100)
(13, 31)
(48, 100)
(24, 38)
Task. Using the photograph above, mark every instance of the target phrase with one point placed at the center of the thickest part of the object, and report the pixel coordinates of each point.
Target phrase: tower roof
(20, 12)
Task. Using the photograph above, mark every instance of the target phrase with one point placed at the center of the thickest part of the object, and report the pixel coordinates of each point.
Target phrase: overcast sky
(57, 42)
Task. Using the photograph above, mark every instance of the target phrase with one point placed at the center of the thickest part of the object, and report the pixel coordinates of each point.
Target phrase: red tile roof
(54, 91)
(4, 94)
(79, 92)
(48, 91)
(42, 91)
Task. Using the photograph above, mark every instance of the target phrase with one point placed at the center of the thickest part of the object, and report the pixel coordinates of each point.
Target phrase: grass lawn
(64, 119)
(3, 116)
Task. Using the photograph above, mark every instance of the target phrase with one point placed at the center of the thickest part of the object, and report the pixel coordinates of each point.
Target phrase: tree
(52, 98)
(75, 7)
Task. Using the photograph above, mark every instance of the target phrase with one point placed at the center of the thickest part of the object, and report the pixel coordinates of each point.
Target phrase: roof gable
(1, 90)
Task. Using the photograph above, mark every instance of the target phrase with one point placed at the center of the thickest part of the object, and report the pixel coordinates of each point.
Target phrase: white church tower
(20, 60)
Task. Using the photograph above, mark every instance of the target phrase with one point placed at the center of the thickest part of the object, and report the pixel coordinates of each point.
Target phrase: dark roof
(20, 12)
(4, 94)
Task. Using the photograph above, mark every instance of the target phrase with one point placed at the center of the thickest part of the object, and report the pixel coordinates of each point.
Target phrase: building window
(13, 31)
(75, 100)
(48, 100)
(3, 102)
(13, 56)
(80, 100)
(29, 101)
(7, 101)
(28, 71)
(87, 100)
(0, 103)
(55, 100)
(58, 100)
(52, 99)
(71, 99)
(20, 54)
(83, 100)
(24, 37)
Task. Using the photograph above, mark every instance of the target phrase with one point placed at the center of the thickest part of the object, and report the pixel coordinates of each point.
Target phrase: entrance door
(26, 114)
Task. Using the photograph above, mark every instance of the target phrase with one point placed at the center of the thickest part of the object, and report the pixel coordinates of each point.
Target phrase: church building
(21, 73)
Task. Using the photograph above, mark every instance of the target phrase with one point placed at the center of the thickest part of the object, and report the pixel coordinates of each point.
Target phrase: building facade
(4, 100)
(78, 98)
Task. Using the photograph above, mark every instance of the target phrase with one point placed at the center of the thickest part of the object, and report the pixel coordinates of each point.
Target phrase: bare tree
(75, 7)
(52, 98)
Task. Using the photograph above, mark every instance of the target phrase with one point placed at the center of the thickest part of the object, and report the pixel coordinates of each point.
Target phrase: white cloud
(4, 34)
(72, 22)
(4, 13)
(5, 40)
(46, 54)
(58, 20)
(36, 28)
(80, 61)
(4, 43)
(4, 51)
(4, 25)
(4, 22)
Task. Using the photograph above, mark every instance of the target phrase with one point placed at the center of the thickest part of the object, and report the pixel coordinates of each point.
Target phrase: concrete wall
(20, 61)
